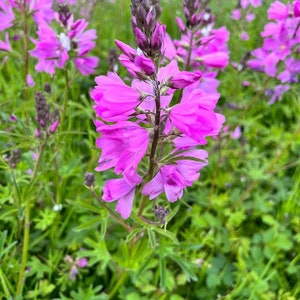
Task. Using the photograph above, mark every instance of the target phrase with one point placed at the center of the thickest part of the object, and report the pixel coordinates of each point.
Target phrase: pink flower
(195, 117)
(183, 79)
(5, 46)
(123, 146)
(172, 179)
(296, 6)
(122, 191)
(6, 15)
(52, 49)
(86, 65)
(250, 17)
(278, 11)
(115, 101)
(29, 80)
(244, 36)
(236, 14)
(135, 62)
(237, 133)
(215, 60)
(54, 126)
(81, 262)
(254, 3)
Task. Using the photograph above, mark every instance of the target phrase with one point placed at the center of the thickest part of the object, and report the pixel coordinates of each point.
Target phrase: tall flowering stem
(150, 143)
(27, 223)
(47, 123)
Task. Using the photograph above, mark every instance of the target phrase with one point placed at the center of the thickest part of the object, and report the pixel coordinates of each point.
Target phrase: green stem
(4, 285)
(121, 280)
(112, 213)
(27, 224)
(67, 91)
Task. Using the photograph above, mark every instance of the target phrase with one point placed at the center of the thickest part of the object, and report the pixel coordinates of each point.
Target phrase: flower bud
(89, 179)
(184, 79)
(145, 64)
(297, 9)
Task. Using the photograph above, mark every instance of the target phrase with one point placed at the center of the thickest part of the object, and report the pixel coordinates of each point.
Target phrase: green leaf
(186, 267)
(168, 234)
(162, 272)
(87, 225)
(152, 237)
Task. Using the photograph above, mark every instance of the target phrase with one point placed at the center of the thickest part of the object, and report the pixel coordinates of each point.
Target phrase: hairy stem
(112, 213)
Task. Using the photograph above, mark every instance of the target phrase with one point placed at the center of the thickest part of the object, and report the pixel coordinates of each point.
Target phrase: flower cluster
(201, 47)
(53, 49)
(244, 11)
(149, 136)
(278, 55)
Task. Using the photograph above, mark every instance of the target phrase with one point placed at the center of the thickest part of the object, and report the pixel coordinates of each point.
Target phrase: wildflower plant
(182, 205)
(148, 134)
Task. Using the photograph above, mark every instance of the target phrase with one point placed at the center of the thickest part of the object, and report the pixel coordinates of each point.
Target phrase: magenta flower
(254, 3)
(6, 15)
(194, 115)
(183, 79)
(52, 49)
(52, 52)
(278, 11)
(122, 191)
(244, 36)
(5, 46)
(236, 14)
(172, 179)
(276, 93)
(296, 8)
(215, 60)
(123, 146)
(135, 61)
(29, 80)
(115, 101)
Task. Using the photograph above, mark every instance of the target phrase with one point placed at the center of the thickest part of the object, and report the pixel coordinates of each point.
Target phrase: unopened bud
(89, 179)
